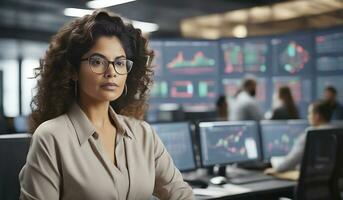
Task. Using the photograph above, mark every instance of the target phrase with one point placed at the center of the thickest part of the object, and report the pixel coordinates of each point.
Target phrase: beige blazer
(67, 161)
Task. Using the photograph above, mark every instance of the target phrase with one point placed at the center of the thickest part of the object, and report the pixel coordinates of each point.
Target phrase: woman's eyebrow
(101, 55)
(98, 54)
(121, 56)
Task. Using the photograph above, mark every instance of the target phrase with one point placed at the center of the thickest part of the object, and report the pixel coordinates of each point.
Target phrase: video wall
(185, 72)
(196, 72)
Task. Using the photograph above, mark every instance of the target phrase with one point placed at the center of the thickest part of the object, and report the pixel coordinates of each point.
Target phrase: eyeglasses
(99, 64)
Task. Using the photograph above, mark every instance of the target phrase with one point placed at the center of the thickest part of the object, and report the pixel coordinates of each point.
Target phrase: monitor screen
(20, 124)
(329, 41)
(183, 91)
(157, 60)
(191, 57)
(279, 136)
(292, 54)
(160, 90)
(245, 56)
(177, 139)
(228, 142)
(329, 50)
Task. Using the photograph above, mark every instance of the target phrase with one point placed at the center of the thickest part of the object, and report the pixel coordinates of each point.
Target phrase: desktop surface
(279, 136)
(228, 142)
(268, 189)
(272, 188)
(177, 139)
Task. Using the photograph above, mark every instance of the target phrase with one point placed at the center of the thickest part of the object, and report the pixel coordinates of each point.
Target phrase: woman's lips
(109, 86)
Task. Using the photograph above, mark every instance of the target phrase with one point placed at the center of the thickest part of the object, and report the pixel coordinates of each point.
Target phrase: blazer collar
(85, 129)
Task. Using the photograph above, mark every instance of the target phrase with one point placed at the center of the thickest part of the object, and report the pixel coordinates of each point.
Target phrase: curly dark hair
(55, 88)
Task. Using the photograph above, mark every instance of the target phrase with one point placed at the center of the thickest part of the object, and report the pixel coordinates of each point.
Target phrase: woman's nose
(110, 72)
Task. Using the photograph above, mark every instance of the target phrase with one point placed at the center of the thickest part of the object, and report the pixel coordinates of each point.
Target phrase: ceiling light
(145, 26)
(76, 12)
(240, 31)
(106, 3)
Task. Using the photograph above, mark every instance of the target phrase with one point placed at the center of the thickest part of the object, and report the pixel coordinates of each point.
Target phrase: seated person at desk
(81, 148)
(285, 107)
(330, 96)
(319, 115)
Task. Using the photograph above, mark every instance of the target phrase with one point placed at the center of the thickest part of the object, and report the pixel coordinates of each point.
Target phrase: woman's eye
(96, 61)
(120, 63)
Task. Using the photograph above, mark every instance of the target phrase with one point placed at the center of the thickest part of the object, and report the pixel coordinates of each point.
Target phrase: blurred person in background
(285, 107)
(222, 108)
(245, 106)
(330, 96)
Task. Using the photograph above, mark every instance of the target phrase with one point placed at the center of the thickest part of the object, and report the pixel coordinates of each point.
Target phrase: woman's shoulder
(52, 128)
(280, 108)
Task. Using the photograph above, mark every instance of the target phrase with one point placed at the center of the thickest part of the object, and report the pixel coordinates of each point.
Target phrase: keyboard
(249, 178)
(241, 176)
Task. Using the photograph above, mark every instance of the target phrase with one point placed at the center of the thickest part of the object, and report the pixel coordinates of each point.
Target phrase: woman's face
(106, 86)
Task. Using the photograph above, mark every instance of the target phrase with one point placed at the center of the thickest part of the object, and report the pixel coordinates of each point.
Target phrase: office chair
(318, 171)
(339, 166)
(13, 152)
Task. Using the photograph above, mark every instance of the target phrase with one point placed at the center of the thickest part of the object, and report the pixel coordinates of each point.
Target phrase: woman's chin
(110, 97)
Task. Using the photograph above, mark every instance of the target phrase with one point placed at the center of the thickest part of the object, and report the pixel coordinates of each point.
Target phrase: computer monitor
(13, 152)
(228, 142)
(337, 123)
(279, 136)
(20, 124)
(177, 139)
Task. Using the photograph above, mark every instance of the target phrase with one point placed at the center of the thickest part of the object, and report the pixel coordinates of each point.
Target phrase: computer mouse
(218, 180)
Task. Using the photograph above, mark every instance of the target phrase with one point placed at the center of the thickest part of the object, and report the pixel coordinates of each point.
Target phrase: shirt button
(95, 135)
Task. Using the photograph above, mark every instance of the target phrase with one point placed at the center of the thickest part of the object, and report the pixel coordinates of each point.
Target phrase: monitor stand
(217, 175)
(196, 178)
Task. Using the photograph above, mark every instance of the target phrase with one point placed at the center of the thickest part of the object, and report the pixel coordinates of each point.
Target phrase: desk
(265, 190)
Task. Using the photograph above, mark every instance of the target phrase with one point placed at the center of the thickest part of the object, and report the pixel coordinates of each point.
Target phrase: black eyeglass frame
(129, 67)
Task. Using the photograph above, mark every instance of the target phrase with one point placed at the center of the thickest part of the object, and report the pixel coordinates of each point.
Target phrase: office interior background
(203, 49)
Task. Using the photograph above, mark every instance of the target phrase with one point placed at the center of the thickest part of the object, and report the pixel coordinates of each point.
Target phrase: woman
(222, 108)
(285, 108)
(82, 149)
